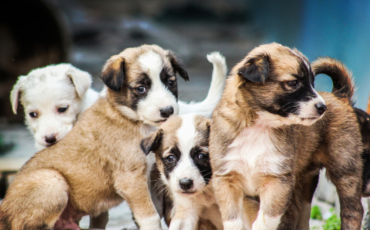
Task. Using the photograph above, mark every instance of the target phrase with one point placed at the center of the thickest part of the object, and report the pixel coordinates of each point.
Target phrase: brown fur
(333, 142)
(96, 166)
(96, 174)
(343, 87)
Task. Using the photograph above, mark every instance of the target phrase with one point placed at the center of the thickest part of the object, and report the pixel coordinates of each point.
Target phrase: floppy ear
(176, 65)
(256, 69)
(152, 142)
(14, 95)
(80, 79)
(114, 73)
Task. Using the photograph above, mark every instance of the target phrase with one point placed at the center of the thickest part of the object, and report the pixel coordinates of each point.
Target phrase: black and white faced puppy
(181, 149)
(143, 83)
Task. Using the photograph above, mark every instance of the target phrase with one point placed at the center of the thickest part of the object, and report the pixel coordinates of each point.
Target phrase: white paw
(151, 223)
(233, 224)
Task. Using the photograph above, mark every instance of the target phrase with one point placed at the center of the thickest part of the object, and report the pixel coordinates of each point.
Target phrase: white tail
(207, 106)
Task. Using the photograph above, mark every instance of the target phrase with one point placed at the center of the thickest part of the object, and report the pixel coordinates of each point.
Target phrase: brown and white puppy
(181, 149)
(99, 162)
(270, 130)
(343, 87)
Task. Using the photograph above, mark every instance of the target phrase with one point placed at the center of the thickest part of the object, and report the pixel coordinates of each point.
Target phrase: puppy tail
(207, 106)
(343, 85)
(218, 77)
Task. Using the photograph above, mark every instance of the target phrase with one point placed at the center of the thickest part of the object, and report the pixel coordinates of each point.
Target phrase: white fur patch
(307, 110)
(150, 223)
(207, 106)
(253, 153)
(44, 90)
(233, 224)
(265, 222)
(158, 97)
(185, 167)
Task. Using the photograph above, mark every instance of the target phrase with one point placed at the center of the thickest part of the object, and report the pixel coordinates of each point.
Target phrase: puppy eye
(170, 159)
(203, 157)
(33, 114)
(141, 89)
(62, 109)
(292, 83)
(171, 83)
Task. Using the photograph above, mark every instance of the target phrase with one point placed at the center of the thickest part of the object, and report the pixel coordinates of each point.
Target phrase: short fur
(98, 164)
(270, 135)
(185, 140)
(53, 97)
(343, 87)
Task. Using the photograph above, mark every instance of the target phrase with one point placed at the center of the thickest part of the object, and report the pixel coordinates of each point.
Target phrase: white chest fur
(253, 153)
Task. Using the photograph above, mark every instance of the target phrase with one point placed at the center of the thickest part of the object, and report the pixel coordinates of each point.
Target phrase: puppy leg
(186, 217)
(229, 196)
(250, 211)
(99, 221)
(348, 183)
(34, 200)
(274, 199)
(134, 188)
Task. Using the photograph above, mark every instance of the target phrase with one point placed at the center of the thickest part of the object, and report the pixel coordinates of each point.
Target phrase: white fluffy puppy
(53, 97)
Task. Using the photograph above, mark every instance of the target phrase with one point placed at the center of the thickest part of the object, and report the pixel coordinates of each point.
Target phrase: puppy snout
(50, 139)
(186, 184)
(321, 107)
(166, 112)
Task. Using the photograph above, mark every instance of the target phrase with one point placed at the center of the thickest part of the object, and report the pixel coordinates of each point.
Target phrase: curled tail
(207, 106)
(343, 85)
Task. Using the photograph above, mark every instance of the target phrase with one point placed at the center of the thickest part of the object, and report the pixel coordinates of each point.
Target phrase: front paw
(151, 223)
(233, 224)
(264, 222)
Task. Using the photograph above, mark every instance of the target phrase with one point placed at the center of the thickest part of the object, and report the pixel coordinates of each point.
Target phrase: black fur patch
(256, 69)
(152, 142)
(168, 167)
(129, 96)
(177, 66)
(204, 165)
(289, 102)
(165, 76)
(113, 78)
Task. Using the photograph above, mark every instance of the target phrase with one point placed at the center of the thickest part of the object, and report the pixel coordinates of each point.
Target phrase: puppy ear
(114, 73)
(176, 65)
(152, 142)
(256, 69)
(14, 94)
(80, 79)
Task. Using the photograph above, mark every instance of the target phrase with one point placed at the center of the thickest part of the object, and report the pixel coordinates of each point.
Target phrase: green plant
(316, 213)
(333, 223)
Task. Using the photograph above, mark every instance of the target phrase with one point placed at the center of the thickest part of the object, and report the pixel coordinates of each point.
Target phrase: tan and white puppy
(99, 162)
(53, 97)
(181, 149)
(270, 135)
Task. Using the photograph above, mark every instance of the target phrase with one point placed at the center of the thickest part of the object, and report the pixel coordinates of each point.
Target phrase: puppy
(343, 87)
(53, 97)
(98, 164)
(271, 130)
(181, 149)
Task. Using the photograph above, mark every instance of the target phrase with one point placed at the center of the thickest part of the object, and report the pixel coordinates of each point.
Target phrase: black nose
(321, 108)
(166, 112)
(50, 139)
(186, 184)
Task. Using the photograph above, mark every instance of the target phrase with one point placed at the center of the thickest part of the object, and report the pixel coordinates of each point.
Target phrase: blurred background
(35, 33)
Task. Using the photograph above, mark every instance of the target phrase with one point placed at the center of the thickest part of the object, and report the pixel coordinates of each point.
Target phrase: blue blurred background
(35, 33)
(335, 28)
